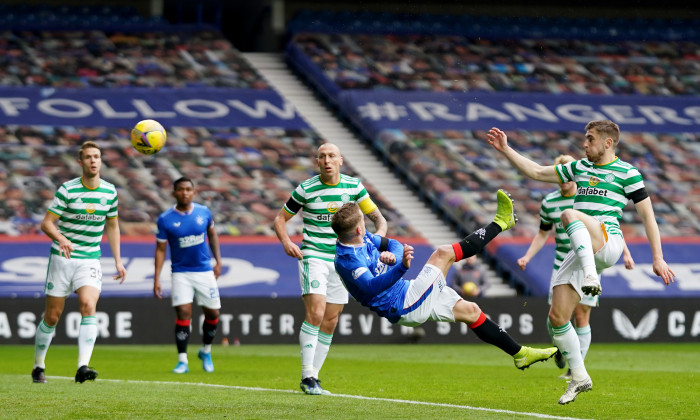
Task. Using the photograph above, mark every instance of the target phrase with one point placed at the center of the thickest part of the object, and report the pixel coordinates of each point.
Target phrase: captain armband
(384, 244)
(638, 195)
(292, 205)
(367, 206)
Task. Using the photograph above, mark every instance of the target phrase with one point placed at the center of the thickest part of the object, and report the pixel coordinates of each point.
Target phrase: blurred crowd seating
(97, 58)
(460, 171)
(440, 63)
(243, 175)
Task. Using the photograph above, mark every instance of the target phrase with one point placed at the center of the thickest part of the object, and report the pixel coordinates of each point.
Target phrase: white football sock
(584, 339)
(42, 341)
(308, 339)
(322, 347)
(86, 339)
(566, 339)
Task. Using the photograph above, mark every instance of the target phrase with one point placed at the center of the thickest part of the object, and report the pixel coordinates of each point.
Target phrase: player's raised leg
(585, 236)
(491, 333)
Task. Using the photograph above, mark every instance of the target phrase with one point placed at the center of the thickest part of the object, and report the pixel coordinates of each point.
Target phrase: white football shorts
(438, 298)
(202, 284)
(318, 277)
(571, 271)
(586, 299)
(66, 275)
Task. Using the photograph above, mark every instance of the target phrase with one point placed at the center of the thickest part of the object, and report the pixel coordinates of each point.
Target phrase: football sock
(308, 339)
(582, 246)
(322, 347)
(490, 332)
(42, 341)
(475, 241)
(87, 334)
(209, 330)
(584, 339)
(182, 335)
(566, 339)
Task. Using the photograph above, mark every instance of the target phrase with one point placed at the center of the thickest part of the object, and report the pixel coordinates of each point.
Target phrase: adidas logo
(318, 200)
(580, 247)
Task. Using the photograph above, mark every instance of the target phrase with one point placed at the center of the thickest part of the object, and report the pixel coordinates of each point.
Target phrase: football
(148, 137)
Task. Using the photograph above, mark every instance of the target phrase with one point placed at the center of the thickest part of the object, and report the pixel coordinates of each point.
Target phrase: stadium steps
(359, 156)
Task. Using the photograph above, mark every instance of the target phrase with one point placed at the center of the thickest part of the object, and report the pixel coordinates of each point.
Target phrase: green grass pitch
(420, 381)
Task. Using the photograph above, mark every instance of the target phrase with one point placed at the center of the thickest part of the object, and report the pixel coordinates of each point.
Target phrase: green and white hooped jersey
(318, 203)
(82, 214)
(602, 191)
(553, 204)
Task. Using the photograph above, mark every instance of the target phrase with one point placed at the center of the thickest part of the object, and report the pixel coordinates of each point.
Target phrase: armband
(292, 205)
(638, 195)
(384, 244)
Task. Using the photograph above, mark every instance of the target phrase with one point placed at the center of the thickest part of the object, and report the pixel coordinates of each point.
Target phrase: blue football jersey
(378, 286)
(186, 234)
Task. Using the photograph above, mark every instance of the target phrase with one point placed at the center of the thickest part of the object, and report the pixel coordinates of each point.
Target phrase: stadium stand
(456, 63)
(96, 58)
(244, 175)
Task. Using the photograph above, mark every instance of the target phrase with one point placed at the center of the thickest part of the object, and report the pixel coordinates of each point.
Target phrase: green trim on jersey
(82, 215)
(553, 204)
(602, 190)
(319, 202)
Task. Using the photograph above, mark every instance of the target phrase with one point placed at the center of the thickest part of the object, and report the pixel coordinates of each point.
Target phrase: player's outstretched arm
(498, 139)
(646, 211)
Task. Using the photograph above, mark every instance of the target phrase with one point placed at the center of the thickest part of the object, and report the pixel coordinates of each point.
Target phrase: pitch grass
(631, 381)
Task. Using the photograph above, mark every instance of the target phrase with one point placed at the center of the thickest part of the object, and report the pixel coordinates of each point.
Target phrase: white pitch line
(357, 397)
